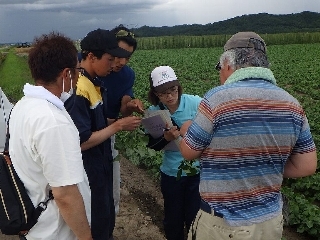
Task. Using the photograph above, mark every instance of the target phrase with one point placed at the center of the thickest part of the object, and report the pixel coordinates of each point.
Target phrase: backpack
(17, 212)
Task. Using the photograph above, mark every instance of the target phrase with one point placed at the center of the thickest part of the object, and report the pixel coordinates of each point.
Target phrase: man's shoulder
(125, 77)
(84, 83)
(128, 69)
(86, 89)
(124, 71)
(216, 90)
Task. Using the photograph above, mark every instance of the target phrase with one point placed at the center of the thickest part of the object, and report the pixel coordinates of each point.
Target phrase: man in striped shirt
(249, 134)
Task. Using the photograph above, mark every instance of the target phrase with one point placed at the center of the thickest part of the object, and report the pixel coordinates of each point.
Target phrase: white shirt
(45, 151)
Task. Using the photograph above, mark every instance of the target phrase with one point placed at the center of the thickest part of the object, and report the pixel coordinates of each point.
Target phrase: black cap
(105, 41)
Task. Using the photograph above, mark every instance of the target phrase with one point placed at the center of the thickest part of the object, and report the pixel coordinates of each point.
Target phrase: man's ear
(91, 57)
(227, 66)
(65, 73)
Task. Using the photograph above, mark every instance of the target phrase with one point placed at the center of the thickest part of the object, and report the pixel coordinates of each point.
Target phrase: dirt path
(141, 208)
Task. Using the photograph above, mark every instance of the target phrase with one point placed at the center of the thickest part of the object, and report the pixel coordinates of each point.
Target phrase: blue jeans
(181, 204)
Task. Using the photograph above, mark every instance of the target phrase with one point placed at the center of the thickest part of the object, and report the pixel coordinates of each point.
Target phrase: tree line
(262, 23)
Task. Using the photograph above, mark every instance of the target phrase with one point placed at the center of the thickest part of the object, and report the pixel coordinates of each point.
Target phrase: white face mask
(65, 95)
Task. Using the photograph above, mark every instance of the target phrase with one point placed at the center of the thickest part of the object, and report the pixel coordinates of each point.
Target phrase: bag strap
(42, 205)
(173, 122)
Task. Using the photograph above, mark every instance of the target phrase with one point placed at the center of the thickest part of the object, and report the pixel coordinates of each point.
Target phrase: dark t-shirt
(118, 84)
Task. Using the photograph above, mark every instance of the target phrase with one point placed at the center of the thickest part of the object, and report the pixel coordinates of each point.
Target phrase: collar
(251, 73)
(42, 93)
(96, 81)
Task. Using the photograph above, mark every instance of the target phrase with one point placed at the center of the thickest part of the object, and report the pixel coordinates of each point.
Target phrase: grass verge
(14, 73)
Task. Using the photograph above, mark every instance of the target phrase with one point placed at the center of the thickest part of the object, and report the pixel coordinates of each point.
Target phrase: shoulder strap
(42, 205)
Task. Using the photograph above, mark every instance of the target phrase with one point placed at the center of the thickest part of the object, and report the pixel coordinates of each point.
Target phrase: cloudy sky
(22, 20)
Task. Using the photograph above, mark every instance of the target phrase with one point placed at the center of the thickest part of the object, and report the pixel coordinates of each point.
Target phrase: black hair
(50, 54)
(129, 39)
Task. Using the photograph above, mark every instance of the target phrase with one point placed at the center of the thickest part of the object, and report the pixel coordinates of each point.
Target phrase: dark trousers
(102, 206)
(181, 204)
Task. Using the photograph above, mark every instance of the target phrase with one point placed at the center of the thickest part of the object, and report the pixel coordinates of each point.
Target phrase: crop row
(209, 41)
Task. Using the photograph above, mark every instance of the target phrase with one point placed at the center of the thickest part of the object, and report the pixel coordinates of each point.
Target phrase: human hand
(129, 123)
(171, 133)
(135, 105)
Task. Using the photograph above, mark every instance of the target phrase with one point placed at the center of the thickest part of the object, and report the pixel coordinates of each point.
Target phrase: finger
(140, 109)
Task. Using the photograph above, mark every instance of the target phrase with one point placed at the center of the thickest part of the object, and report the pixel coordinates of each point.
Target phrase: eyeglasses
(218, 66)
(80, 69)
(124, 33)
(171, 91)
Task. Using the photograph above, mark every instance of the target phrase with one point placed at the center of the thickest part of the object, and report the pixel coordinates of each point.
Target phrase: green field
(295, 66)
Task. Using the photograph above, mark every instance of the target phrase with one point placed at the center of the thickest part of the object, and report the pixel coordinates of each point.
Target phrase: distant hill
(261, 23)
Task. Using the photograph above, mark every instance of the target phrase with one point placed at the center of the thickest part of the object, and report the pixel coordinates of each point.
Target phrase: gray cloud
(22, 20)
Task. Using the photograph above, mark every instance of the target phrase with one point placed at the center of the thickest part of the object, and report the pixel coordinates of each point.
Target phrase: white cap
(163, 77)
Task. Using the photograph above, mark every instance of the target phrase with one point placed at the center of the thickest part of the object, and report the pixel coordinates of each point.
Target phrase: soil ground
(141, 208)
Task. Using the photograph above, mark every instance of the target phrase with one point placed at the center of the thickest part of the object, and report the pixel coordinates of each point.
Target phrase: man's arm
(300, 165)
(124, 124)
(72, 209)
(188, 153)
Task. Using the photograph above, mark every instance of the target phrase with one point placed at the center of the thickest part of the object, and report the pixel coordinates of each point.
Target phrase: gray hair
(244, 57)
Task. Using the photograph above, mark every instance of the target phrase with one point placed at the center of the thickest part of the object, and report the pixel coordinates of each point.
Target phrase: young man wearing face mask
(88, 109)
(120, 97)
(44, 143)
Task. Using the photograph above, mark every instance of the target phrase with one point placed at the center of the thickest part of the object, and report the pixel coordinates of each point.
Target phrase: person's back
(36, 155)
(257, 126)
(44, 143)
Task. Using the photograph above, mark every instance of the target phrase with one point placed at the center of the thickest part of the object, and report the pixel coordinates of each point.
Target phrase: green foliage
(308, 186)
(132, 146)
(188, 168)
(303, 214)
